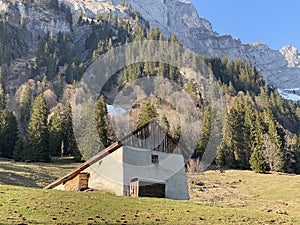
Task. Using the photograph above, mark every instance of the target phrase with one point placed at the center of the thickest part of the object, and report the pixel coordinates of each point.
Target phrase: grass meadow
(227, 197)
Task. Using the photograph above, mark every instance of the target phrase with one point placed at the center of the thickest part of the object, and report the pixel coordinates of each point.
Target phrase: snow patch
(115, 110)
(289, 94)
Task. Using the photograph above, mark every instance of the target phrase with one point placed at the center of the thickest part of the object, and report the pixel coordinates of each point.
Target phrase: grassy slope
(233, 197)
(34, 175)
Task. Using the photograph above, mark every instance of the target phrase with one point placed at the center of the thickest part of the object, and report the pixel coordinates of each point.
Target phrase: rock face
(280, 68)
(291, 55)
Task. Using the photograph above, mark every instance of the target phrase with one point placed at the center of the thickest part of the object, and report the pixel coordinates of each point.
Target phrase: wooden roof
(163, 144)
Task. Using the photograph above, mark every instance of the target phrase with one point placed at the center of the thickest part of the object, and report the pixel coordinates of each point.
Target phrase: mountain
(281, 69)
(47, 45)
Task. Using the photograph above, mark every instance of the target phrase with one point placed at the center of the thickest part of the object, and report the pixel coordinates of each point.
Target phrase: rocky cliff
(280, 68)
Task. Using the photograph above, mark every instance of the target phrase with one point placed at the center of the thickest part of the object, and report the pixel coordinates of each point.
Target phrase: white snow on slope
(115, 110)
(288, 94)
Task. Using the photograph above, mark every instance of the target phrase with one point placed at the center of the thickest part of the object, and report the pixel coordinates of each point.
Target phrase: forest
(262, 128)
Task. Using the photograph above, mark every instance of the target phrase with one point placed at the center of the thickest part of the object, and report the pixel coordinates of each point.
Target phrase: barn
(145, 163)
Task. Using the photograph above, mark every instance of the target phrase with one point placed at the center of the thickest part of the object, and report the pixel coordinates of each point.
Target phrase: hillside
(47, 109)
(228, 197)
(280, 68)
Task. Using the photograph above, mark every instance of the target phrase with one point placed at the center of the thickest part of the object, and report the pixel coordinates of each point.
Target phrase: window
(154, 159)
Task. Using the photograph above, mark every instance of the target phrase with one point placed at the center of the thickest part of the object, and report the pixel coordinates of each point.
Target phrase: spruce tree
(296, 151)
(221, 157)
(25, 110)
(235, 125)
(18, 152)
(164, 123)
(70, 145)
(2, 99)
(257, 161)
(55, 132)
(205, 133)
(147, 113)
(37, 146)
(102, 121)
(177, 133)
(8, 133)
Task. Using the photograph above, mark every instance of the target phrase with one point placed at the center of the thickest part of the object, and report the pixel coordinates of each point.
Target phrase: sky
(274, 22)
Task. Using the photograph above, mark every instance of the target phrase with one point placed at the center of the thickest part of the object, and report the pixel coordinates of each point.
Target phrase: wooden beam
(85, 165)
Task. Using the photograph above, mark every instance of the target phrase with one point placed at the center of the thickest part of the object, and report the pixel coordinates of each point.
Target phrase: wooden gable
(153, 136)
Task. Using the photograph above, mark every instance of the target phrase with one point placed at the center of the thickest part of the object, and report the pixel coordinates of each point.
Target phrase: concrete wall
(137, 163)
(107, 174)
(114, 172)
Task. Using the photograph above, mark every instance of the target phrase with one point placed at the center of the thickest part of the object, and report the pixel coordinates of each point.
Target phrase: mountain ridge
(281, 68)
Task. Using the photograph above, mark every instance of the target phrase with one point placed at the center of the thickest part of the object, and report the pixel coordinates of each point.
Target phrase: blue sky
(274, 22)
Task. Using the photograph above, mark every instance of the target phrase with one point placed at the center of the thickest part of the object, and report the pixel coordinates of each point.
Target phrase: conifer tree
(55, 132)
(8, 133)
(2, 99)
(177, 133)
(147, 113)
(257, 161)
(18, 152)
(25, 110)
(236, 128)
(102, 121)
(164, 123)
(296, 151)
(221, 157)
(205, 132)
(70, 145)
(37, 146)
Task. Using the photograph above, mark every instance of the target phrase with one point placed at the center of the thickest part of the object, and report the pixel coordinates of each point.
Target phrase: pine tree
(205, 133)
(55, 133)
(37, 146)
(296, 151)
(164, 123)
(25, 110)
(177, 133)
(18, 152)
(103, 122)
(2, 99)
(70, 145)
(161, 70)
(257, 161)
(147, 113)
(235, 125)
(8, 133)
(221, 157)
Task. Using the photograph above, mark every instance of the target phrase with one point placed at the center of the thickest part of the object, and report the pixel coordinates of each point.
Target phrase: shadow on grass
(8, 178)
(16, 168)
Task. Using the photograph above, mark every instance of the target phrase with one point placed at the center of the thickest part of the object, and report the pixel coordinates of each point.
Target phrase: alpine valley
(47, 45)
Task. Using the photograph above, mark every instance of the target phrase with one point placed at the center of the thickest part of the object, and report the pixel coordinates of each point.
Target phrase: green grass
(36, 175)
(232, 197)
(31, 206)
